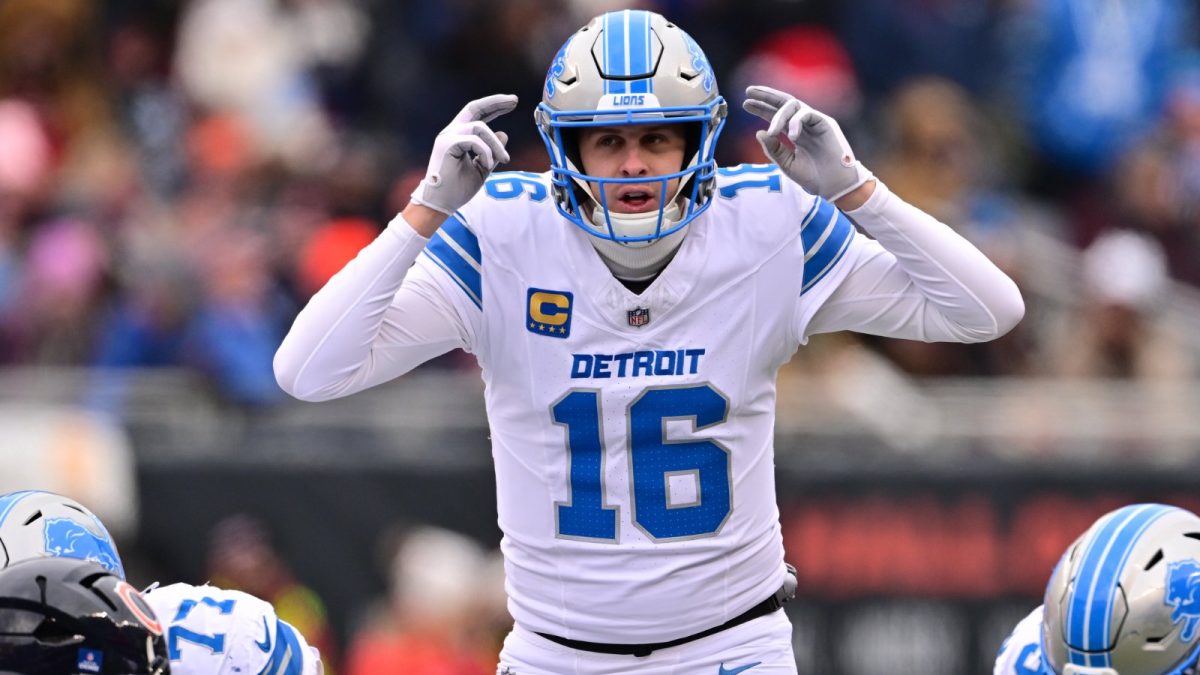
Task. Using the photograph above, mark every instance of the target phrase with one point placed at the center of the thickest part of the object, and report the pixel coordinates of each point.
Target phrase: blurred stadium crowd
(176, 179)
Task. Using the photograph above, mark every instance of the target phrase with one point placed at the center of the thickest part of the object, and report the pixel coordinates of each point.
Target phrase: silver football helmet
(37, 524)
(631, 67)
(1125, 597)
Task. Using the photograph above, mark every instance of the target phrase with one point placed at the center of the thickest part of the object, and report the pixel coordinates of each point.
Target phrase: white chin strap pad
(1072, 669)
(635, 224)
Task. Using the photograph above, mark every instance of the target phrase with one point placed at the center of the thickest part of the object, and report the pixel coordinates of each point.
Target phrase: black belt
(771, 604)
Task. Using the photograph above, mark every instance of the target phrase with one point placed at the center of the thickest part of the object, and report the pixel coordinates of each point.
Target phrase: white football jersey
(1021, 653)
(211, 631)
(632, 434)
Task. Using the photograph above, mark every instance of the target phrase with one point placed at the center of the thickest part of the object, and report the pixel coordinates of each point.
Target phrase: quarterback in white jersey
(211, 631)
(630, 310)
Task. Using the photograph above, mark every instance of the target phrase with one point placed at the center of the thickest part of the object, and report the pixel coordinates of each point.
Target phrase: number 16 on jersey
(654, 461)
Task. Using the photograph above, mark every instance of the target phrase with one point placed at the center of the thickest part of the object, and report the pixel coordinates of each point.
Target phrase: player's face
(630, 152)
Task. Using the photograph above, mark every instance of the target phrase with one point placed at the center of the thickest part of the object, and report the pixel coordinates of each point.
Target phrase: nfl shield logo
(638, 317)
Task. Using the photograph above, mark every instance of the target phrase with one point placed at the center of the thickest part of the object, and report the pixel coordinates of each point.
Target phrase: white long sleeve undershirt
(923, 281)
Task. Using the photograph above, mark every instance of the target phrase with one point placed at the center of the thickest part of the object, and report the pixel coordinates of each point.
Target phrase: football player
(66, 615)
(208, 631)
(1123, 600)
(630, 309)
(211, 631)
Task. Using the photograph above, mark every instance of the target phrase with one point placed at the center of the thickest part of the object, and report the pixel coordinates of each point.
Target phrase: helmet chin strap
(641, 260)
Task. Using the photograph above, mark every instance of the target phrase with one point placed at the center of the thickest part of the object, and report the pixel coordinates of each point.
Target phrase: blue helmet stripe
(1105, 611)
(1076, 604)
(639, 51)
(1090, 605)
(1079, 618)
(8, 501)
(615, 60)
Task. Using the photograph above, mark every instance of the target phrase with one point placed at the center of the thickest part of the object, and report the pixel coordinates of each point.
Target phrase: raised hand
(815, 154)
(464, 154)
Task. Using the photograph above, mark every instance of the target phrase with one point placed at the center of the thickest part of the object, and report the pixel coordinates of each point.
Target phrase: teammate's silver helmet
(630, 67)
(37, 524)
(1125, 597)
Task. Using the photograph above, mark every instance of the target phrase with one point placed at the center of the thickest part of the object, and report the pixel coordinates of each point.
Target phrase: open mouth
(635, 199)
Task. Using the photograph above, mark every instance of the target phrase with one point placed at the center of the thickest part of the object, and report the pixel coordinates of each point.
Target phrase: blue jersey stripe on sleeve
(287, 657)
(454, 262)
(465, 238)
(825, 235)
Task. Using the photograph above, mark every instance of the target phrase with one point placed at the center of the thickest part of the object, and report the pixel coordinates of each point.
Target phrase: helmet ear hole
(571, 138)
(53, 633)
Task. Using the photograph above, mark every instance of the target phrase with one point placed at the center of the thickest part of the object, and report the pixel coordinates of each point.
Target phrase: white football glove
(464, 154)
(818, 158)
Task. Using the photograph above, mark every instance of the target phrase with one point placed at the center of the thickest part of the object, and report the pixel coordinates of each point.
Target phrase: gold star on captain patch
(531, 324)
(562, 330)
(541, 328)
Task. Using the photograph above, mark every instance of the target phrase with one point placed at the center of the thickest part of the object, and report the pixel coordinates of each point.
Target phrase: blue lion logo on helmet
(66, 538)
(1183, 594)
(700, 62)
(557, 67)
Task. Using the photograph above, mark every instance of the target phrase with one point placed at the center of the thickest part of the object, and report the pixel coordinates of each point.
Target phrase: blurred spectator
(892, 42)
(1179, 182)
(933, 157)
(1091, 76)
(59, 293)
(1148, 191)
(329, 249)
(152, 114)
(47, 58)
(220, 157)
(27, 160)
(440, 611)
(241, 57)
(240, 318)
(806, 61)
(1116, 333)
(242, 557)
